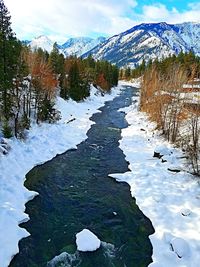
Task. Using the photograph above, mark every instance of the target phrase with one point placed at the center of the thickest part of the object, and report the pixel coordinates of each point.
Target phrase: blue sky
(180, 5)
(61, 19)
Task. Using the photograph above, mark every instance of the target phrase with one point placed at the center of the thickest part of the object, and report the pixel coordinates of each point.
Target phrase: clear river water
(76, 192)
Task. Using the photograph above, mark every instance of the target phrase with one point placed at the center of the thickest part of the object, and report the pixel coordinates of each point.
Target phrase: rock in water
(87, 241)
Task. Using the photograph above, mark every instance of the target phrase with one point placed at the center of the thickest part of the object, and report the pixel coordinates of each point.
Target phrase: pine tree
(56, 60)
(9, 53)
(127, 73)
(115, 75)
(78, 88)
(74, 82)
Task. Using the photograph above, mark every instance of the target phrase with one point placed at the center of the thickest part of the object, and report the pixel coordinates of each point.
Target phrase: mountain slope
(73, 46)
(80, 45)
(149, 41)
(42, 42)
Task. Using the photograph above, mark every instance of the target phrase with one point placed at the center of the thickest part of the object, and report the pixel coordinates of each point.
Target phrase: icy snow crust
(170, 200)
(44, 142)
(87, 241)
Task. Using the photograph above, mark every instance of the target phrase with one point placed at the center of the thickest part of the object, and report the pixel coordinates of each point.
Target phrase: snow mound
(185, 212)
(180, 247)
(163, 150)
(87, 241)
(4, 146)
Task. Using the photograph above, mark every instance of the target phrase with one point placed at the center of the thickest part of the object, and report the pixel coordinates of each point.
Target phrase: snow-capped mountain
(80, 45)
(145, 41)
(42, 42)
(73, 46)
(149, 41)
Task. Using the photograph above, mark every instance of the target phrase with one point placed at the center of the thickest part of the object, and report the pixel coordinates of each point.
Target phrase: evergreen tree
(115, 75)
(80, 73)
(121, 74)
(127, 73)
(64, 90)
(78, 88)
(45, 109)
(9, 53)
(74, 82)
(56, 60)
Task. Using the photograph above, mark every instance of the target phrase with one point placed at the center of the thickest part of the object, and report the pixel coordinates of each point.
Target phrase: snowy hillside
(42, 42)
(80, 45)
(73, 46)
(149, 41)
(190, 33)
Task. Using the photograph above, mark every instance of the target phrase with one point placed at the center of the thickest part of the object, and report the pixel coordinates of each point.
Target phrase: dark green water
(75, 192)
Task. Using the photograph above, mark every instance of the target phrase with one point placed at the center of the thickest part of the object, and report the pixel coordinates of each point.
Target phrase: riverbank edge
(169, 199)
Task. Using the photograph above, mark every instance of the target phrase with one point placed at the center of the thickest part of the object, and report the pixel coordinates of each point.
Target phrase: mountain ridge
(73, 46)
(149, 41)
(146, 41)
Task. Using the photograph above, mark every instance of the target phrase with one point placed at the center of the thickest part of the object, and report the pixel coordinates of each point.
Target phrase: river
(76, 192)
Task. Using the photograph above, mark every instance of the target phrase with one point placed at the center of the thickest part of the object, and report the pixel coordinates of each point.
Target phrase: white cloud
(155, 13)
(69, 17)
(63, 18)
(159, 12)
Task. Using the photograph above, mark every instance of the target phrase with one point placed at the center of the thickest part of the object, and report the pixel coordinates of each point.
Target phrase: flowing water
(76, 192)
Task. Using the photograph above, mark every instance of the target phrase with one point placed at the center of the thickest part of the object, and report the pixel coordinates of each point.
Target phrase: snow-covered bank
(170, 200)
(43, 143)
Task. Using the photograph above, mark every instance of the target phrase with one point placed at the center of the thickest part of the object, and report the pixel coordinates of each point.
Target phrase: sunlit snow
(170, 200)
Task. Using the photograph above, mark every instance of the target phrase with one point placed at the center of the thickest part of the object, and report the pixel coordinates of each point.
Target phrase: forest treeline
(170, 94)
(30, 80)
(186, 60)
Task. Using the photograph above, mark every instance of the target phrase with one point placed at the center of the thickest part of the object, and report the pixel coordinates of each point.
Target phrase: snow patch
(164, 150)
(87, 241)
(180, 247)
